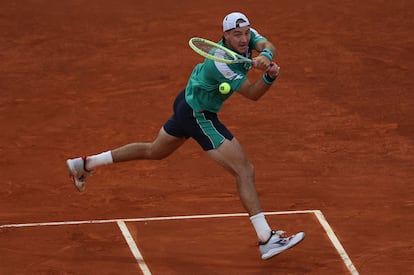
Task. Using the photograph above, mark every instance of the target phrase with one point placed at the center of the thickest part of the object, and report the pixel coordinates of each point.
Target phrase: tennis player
(195, 116)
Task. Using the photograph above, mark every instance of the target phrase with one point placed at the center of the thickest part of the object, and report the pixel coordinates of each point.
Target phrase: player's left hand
(273, 69)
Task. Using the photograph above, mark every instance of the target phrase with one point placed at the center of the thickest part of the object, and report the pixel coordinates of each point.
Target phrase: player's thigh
(230, 155)
(165, 144)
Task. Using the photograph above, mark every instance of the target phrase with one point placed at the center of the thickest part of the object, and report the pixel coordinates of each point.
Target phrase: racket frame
(237, 58)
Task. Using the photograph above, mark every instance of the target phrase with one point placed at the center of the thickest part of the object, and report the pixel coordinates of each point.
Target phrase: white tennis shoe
(278, 242)
(78, 172)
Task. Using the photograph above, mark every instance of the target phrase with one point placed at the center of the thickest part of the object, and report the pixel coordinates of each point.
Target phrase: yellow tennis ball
(224, 88)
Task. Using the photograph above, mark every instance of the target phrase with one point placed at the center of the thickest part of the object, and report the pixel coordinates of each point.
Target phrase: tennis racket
(216, 52)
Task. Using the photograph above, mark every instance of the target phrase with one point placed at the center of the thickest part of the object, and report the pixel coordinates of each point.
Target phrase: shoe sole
(294, 241)
(80, 186)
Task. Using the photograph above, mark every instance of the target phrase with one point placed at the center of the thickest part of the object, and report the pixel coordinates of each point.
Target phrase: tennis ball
(224, 88)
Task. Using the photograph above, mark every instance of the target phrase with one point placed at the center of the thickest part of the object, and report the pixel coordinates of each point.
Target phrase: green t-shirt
(202, 92)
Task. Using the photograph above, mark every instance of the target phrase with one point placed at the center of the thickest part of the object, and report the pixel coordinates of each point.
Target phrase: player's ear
(226, 35)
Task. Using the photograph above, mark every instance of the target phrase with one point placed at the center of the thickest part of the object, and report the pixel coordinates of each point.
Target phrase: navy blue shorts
(204, 127)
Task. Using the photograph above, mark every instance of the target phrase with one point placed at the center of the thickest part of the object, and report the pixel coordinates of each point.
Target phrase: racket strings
(212, 50)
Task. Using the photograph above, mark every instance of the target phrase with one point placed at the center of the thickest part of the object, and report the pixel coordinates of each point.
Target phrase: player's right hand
(261, 62)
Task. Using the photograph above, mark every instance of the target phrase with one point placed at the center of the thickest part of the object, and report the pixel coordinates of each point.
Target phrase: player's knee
(250, 169)
(157, 154)
(247, 171)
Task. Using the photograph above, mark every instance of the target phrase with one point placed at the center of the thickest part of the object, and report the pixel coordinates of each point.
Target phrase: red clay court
(332, 142)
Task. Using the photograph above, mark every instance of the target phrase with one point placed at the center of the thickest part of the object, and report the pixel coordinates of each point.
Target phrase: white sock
(261, 226)
(98, 160)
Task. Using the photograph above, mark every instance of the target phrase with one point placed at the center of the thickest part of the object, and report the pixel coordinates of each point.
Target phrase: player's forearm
(261, 86)
(258, 89)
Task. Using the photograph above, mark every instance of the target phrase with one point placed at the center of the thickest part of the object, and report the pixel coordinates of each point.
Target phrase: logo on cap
(235, 20)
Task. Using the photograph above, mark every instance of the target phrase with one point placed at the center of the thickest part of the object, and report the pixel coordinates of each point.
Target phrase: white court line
(151, 219)
(322, 220)
(337, 244)
(134, 248)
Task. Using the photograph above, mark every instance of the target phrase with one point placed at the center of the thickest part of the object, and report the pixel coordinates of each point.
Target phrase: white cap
(230, 21)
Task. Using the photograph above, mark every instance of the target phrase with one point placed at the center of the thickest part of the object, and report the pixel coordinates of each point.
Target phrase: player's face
(238, 39)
